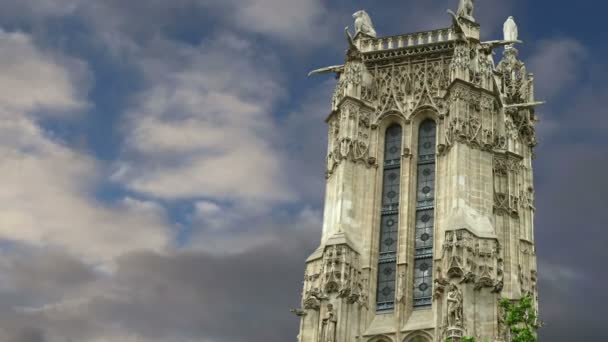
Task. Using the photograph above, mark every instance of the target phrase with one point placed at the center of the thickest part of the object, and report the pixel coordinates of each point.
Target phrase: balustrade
(407, 40)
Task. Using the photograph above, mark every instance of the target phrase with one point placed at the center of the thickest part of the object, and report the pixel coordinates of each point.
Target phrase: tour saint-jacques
(429, 204)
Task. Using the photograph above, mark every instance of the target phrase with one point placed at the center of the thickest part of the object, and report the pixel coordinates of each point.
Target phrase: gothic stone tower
(429, 205)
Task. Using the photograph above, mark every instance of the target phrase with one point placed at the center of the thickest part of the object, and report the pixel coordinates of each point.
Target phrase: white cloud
(46, 199)
(34, 80)
(47, 192)
(203, 127)
(301, 21)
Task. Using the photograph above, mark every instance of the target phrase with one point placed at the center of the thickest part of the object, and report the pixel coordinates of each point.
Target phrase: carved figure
(329, 325)
(510, 29)
(465, 9)
(363, 23)
(454, 301)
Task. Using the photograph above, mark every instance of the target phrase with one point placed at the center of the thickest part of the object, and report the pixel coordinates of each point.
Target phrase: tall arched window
(389, 222)
(425, 218)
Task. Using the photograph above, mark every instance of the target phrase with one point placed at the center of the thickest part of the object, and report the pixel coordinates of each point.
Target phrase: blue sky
(162, 161)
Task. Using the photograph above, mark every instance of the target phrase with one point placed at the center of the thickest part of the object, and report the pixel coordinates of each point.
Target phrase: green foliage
(521, 319)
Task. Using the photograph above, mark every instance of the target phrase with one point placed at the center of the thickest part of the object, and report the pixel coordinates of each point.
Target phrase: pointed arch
(380, 338)
(391, 115)
(418, 336)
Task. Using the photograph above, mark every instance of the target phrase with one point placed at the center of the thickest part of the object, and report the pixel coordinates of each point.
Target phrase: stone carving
(523, 124)
(405, 88)
(329, 325)
(472, 126)
(454, 307)
(502, 329)
(516, 85)
(336, 275)
(499, 283)
(510, 29)
(363, 24)
(440, 283)
(349, 136)
(526, 269)
(486, 259)
(465, 9)
(400, 294)
(508, 198)
(472, 260)
(461, 62)
(312, 302)
(414, 52)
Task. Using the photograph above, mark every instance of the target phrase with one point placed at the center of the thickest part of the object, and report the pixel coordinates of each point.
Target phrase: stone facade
(483, 237)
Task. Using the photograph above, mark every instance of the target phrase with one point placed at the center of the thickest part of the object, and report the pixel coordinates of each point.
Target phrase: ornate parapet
(404, 41)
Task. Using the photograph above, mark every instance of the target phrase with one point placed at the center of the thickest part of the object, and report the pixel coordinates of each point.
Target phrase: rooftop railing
(407, 40)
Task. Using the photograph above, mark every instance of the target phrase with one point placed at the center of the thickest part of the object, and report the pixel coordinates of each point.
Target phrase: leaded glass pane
(385, 294)
(388, 235)
(390, 192)
(423, 281)
(392, 146)
(426, 141)
(424, 232)
(426, 185)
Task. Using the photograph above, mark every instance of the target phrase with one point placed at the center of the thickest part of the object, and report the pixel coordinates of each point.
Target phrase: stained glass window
(425, 210)
(389, 222)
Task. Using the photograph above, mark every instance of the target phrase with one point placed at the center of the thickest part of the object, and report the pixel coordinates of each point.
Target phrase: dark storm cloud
(571, 183)
(170, 297)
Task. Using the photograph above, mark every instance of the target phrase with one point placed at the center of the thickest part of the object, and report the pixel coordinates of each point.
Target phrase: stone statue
(465, 9)
(329, 325)
(510, 29)
(454, 301)
(363, 23)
